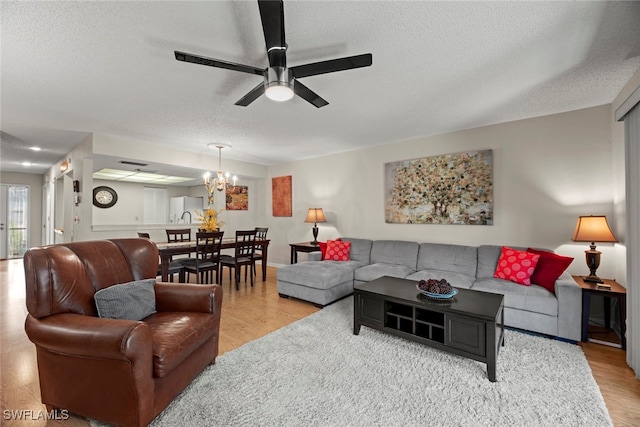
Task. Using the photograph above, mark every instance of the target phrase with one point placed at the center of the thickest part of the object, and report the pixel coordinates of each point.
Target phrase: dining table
(168, 249)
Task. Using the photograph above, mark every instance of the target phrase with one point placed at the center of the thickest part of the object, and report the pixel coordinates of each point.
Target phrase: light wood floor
(247, 314)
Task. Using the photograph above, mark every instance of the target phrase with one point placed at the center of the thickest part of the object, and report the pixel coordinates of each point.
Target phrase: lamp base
(592, 278)
(315, 235)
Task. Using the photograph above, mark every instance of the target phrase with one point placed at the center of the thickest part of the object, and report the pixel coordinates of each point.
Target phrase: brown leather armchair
(122, 372)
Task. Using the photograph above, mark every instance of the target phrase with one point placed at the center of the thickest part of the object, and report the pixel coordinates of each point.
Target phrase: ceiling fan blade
(202, 60)
(332, 65)
(251, 96)
(272, 16)
(307, 94)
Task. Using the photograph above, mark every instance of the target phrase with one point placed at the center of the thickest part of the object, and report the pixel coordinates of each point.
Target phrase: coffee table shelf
(470, 325)
(408, 319)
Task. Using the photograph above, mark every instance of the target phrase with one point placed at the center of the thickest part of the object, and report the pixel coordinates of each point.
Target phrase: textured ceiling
(72, 68)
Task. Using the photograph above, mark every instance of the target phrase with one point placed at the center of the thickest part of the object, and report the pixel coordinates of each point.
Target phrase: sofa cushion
(395, 252)
(373, 271)
(337, 250)
(550, 267)
(457, 280)
(532, 298)
(360, 249)
(488, 259)
(131, 301)
(453, 258)
(318, 274)
(515, 265)
(175, 335)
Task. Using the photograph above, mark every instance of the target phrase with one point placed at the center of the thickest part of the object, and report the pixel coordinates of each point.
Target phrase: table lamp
(315, 215)
(593, 228)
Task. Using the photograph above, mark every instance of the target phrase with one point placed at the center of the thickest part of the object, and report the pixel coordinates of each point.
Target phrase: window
(155, 205)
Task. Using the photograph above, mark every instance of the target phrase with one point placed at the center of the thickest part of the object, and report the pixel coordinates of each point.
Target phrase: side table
(302, 247)
(615, 291)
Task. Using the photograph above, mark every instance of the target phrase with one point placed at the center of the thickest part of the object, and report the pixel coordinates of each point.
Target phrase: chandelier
(221, 180)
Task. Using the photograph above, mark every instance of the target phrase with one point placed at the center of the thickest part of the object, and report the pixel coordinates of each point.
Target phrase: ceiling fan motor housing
(279, 79)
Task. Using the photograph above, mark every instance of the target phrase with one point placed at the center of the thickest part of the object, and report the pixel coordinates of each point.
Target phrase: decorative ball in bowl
(439, 289)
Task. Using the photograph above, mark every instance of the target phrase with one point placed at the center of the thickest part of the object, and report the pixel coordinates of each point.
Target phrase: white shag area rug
(315, 372)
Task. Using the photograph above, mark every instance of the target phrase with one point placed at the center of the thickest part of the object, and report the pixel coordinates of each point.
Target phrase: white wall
(547, 172)
(119, 221)
(129, 207)
(125, 218)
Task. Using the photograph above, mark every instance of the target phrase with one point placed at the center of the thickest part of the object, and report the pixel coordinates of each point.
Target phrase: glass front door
(14, 220)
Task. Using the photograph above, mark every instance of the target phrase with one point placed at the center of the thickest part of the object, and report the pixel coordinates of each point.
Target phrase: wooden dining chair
(175, 267)
(178, 235)
(207, 259)
(261, 234)
(243, 255)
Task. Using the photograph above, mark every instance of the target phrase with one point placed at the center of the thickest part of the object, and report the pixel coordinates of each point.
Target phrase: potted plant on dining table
(209, 220)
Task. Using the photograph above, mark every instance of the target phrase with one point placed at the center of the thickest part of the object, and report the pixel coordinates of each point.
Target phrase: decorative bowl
(451, 294)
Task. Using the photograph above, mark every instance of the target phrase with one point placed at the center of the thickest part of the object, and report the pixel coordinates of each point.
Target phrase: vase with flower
(209, 220)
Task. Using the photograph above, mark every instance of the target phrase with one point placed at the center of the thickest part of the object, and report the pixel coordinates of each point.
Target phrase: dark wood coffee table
(471, 324)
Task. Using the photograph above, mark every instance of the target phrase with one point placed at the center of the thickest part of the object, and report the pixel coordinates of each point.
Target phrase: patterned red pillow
(550, 267)
(337, 250)
(323, 248)
(515, 265)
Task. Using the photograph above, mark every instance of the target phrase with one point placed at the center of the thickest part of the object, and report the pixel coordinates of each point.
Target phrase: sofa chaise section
(323, 282)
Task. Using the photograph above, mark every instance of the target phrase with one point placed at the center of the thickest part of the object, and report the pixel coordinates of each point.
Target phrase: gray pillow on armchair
(132, 301)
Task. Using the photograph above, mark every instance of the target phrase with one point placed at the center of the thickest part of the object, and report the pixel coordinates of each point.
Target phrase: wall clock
(104, 197)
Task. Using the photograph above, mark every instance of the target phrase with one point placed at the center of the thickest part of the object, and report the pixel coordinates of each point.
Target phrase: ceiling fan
(280, 82)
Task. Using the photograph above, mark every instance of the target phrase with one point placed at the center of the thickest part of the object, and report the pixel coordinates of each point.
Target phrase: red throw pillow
(337, 250)
(323, 248)
(515, 265)
(550, 267)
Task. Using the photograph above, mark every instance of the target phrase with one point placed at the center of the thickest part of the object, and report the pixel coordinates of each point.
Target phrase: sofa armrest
(87, 336)
(188, 297)
(569, 296)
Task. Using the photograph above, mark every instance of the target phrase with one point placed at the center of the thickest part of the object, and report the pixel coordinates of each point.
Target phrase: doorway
(14, 220)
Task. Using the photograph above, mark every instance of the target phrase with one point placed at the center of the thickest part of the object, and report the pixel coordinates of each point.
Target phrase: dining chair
(207, 258)
(261, 234)
(243, 255)
(175, 267)
(178, 235)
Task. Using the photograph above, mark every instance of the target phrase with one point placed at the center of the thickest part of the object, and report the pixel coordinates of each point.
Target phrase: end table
(302, 247)
(615, 290)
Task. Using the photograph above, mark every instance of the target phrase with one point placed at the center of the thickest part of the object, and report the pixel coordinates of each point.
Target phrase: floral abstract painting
(237, 198)
(447, 189)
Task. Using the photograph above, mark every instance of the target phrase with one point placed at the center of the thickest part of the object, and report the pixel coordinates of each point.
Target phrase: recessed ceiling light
(34, 148)
(26, 163)
(138, 176)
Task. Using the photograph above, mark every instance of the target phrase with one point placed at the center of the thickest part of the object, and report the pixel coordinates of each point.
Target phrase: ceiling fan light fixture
(279, 92)
(278, 85)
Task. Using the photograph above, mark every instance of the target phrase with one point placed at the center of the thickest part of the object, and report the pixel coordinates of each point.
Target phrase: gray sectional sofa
(530, 308)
